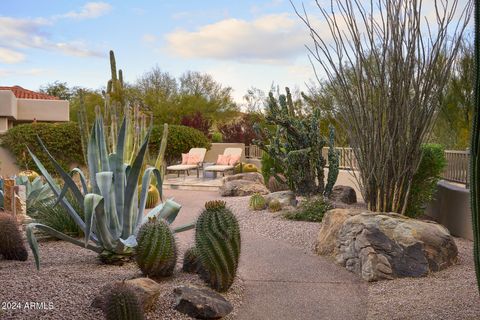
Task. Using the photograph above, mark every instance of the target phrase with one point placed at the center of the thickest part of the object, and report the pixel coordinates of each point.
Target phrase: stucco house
(19, 105)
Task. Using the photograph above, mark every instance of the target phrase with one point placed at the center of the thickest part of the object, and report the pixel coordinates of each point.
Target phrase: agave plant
(36, 192)
(112, 211)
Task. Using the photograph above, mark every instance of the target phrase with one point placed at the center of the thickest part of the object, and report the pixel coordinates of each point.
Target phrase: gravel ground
(448, 294)
(69, 279)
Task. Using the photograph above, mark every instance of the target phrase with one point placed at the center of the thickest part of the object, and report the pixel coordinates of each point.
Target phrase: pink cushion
(223, 159)
(185, 158)
(234, 159)
(193, 159)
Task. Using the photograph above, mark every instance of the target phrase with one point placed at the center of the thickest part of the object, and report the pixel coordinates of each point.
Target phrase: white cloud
(18, 34)
(89, 11)
(26, 72)
(271, 38)
(11, 56)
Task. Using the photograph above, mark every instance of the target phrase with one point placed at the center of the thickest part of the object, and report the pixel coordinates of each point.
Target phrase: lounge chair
(186, 167)
(230, 158)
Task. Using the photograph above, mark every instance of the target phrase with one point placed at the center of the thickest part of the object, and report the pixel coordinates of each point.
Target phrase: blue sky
(240, 43)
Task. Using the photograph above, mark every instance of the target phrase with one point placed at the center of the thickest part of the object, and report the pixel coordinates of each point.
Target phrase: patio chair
(227, 161)
(186, 166)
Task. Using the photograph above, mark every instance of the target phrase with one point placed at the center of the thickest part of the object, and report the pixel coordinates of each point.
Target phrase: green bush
(57, 216)
(61, 139)
(311, 209)
(180, 140)
(424, 183)
(217, 137)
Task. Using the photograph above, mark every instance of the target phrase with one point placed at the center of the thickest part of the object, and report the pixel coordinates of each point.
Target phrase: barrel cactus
(245, 167)
(121, 303)
(215, 204)
(274, 206)
(156, 253)
(257, 202)
(30, 174)
(11, 243)
(191, 262)
(217, 242)
(153, 197)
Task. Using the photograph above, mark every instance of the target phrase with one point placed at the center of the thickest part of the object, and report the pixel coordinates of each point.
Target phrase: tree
(57, 89)
(399, 68)
(452, 128)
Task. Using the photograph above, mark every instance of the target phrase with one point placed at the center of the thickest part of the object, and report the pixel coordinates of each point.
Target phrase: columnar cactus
(296, 145)
(257, 202)
(217, 241)
(333, 164)
(156, 253)
(475, 151)
(11, 243)
(121, 303)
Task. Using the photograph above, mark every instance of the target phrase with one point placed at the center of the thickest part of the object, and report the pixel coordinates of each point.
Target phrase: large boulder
(243, 184)
(146, 290)
(343, 194)
(380, 246)
(332, 222)
(201, 303)
(286, 198)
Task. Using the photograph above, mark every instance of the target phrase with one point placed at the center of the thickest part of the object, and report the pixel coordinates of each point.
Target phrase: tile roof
(22, 93)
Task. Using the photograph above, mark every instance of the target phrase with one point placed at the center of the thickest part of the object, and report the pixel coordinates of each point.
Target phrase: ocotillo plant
(475, 151)
(297, 146)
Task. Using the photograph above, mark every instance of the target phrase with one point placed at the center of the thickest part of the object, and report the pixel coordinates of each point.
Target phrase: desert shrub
(241, 130)
(57, 216)
(311, 209)
(424, 183)
(197, 121)
(217, 137)
(61, 139)
(180, 140)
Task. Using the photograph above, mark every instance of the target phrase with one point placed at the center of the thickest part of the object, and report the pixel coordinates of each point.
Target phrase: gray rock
(243, 184)
(201, 303)
(380, 246)
(286, 198)
(343, 194)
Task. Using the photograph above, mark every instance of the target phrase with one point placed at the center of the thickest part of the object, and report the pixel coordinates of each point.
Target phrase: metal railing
(456, 169)
(457, 166)
(253, 152)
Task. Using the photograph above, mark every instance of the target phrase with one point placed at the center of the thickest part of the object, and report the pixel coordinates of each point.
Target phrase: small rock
(201, 303)
(243, 184)
(286, 198)
(146, 290)
(344, 194)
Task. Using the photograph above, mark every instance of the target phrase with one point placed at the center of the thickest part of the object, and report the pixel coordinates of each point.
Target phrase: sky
(242, 44)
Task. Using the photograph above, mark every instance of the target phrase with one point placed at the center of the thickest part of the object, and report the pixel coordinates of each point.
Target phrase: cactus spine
(475, 151)
(156, 253)
(11, 243)
(122, 303)
(257, 202)
(217, 241)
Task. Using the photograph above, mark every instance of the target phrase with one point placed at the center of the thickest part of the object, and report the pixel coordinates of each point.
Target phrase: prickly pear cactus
(156, 253)
(296, 146)
(121, 303)
(217, 242)
(257, 202)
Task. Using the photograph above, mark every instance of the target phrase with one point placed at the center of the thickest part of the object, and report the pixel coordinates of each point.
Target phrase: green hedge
(61, 139)
(180, 140)
(424, 183)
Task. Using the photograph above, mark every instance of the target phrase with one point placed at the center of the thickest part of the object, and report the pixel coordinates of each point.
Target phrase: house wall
(43, 110)
(451, 208)
(8, 104)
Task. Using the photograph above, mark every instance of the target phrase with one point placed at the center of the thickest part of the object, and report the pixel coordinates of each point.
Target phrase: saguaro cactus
(475, 150)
